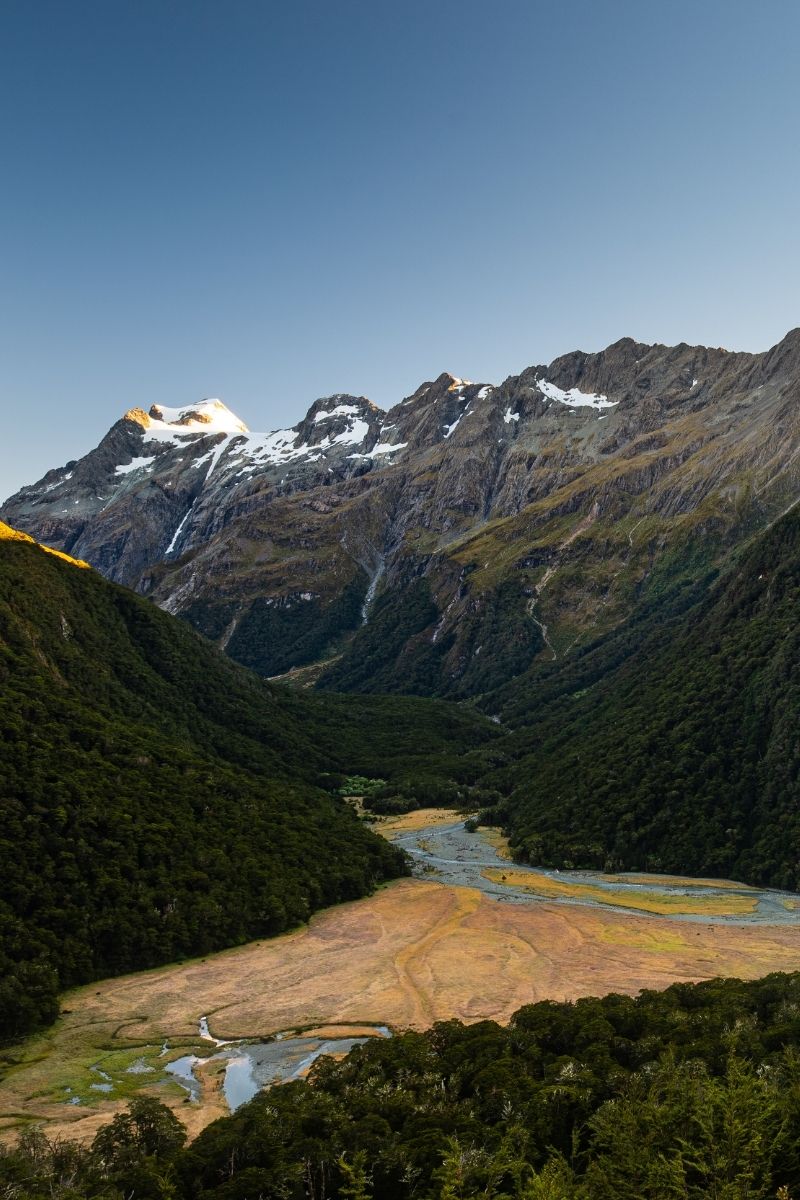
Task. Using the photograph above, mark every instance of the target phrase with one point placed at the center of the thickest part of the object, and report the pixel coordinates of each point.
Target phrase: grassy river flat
(472, 936)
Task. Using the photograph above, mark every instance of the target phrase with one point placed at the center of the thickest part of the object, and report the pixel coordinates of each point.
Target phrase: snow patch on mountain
(341, 410)
(136, 464)
(349, 437)
(218, 451)
(51, 486)
(574, 398)
(177, 534)
(384, 448)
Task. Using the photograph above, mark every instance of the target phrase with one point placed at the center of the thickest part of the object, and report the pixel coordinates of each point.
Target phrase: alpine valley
(600, 554)
(160, 801)
(252, 686)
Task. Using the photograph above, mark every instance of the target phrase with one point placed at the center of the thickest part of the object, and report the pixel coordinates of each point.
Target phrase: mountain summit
(209, 416)
(472, 532)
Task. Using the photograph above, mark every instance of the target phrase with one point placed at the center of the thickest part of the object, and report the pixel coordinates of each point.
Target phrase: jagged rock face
(469, 532)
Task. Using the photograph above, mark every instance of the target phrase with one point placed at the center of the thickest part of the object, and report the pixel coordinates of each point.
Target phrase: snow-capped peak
(209, 416)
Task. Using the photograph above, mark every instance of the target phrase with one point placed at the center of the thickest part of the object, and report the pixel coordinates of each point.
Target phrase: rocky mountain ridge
(468, 534)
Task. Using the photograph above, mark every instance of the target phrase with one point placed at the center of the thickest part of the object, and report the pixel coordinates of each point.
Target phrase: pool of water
(252, 1066)
(182, 1071)
(240, 1083)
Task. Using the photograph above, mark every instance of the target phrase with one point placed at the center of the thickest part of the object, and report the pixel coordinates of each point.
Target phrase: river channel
(254, 1065)
(449, 854)
(441, 852)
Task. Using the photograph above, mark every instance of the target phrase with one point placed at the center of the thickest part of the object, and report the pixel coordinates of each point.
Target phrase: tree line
(685, 1094)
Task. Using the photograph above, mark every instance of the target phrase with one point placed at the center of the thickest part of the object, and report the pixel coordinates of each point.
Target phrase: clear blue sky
(271, 201)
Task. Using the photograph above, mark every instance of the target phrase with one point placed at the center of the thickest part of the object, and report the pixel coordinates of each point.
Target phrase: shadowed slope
(676, 752)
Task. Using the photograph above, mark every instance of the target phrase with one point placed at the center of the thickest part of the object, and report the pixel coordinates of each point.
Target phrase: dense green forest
(671, 745)
(157, 800)
(394, 651)
(687, 1094)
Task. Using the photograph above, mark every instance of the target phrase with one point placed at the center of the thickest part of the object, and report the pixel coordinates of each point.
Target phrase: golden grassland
(676, 881)
(498, 842)
(651, 902)
(414, 953)
(420, 818)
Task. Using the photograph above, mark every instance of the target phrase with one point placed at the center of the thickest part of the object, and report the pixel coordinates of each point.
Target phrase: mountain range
(603, 555)
(473, 534)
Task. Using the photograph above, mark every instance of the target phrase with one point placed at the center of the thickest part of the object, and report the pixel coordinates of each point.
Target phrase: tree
(136, 1151)
(357, 1182)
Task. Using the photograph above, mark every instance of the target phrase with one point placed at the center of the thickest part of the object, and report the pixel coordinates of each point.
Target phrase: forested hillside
(688, 1094)
(159, 801)
(673, 744)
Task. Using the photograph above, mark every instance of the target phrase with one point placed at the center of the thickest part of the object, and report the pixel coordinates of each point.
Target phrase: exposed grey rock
(568, 483)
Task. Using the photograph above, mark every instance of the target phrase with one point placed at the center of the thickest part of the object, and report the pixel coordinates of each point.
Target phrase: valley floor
(416, 952)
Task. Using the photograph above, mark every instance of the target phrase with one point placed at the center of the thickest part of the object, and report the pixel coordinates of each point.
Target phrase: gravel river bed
(450, 854)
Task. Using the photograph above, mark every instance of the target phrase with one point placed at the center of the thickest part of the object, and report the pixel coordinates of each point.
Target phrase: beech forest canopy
(671, 744)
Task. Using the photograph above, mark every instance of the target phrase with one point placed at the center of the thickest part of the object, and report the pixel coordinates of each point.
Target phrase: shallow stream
(254, 1065)
(450, 854)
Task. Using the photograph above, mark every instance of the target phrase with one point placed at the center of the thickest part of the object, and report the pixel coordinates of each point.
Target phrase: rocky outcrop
(492, 526)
